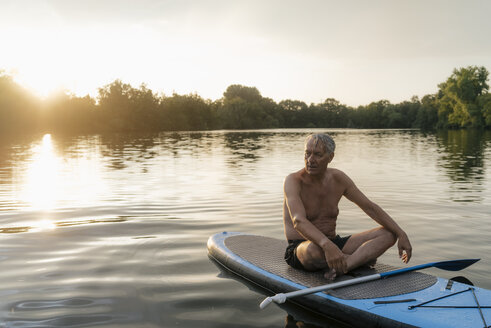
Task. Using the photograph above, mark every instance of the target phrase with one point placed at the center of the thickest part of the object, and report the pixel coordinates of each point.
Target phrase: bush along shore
(462, 101)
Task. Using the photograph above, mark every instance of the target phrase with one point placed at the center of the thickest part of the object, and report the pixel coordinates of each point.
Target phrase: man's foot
(371, 263)
(330, 274)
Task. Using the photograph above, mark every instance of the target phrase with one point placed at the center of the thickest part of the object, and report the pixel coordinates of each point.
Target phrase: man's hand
(405, 249)
(335, 259)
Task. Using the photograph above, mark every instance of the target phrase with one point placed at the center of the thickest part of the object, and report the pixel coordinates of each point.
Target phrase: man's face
(316, 158)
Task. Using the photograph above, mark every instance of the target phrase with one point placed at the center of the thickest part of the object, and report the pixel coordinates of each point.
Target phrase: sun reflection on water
(43, 225)
(43, 189)
(53, 179)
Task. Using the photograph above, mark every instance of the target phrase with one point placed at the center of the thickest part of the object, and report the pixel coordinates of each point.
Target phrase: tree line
(462, 101)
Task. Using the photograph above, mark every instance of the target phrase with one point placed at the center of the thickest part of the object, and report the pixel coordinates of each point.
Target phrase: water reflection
(462, 156)
(90, 320)
(50, 174)
(245, 146)
(15, 229)
(291, 322)
(46, 225)
(173, 190)
(121, 149)
(42, 186)
(46, 173)
(43, 225)
(297, 317)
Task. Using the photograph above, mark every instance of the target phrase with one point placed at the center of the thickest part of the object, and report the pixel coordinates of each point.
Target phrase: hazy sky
(354, 51)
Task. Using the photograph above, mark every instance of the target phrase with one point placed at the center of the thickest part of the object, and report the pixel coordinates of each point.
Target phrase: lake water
(111, 231)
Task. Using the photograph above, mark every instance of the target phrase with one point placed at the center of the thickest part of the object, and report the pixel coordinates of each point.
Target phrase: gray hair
(325, 140)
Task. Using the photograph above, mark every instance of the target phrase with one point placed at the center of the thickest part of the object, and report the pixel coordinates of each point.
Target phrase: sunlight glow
(43, 225)
(81, 59)
(69, 59)
(43, 182)
(54, 178)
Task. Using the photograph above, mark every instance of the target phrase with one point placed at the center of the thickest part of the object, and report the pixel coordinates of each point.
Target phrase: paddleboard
(412, 299)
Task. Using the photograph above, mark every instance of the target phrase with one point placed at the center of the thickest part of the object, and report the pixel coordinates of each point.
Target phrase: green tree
(65, 112)
(19, 110)
(458, 105)
(114, 106)
(292, 105)
(144, 105)
(333, 114)
(185, 112)
(393, 116)
(484, 102)
(248, 94)
(291, 112)
(244, 108)
(124, 108)
(427, 115)
(374, 115)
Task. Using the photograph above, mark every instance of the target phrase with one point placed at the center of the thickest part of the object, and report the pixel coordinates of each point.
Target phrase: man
(310, 212)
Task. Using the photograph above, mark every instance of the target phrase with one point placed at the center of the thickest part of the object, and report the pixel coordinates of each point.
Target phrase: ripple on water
(125, 242)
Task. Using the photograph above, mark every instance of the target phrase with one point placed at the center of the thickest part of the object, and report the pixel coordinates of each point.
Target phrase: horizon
(356, 53)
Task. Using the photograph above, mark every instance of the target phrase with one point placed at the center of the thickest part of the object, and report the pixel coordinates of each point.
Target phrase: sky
(354, 51)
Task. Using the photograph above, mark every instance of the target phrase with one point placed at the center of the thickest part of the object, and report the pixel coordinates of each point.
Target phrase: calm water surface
(111, 231)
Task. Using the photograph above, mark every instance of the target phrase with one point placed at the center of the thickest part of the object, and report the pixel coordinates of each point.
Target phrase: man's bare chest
(320, 202)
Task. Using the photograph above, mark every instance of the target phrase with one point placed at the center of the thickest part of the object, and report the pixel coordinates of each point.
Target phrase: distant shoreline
(462, 101)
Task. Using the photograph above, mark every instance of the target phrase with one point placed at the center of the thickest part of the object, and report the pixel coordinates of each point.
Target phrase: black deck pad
(267, 254)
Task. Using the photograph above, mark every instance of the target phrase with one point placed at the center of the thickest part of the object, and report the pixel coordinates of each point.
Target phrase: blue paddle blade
(455, 265)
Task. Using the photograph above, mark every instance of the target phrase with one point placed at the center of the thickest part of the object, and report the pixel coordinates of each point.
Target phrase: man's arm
(378, 215)
(333, 255)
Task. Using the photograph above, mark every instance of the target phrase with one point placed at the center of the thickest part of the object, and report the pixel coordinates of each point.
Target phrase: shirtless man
(310, 212)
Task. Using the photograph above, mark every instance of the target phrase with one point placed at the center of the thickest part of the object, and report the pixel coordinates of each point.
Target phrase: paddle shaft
(445, 265)
(281, 297)
(333, 286)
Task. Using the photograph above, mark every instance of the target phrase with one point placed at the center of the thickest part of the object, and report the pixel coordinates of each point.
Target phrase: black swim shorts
(291, 250)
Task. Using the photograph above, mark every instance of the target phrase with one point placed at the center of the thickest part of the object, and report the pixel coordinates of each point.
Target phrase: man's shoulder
(296, 179)
(340, 178)
(335, 172)
(295, 176)
(338, 175)
(301, 174)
